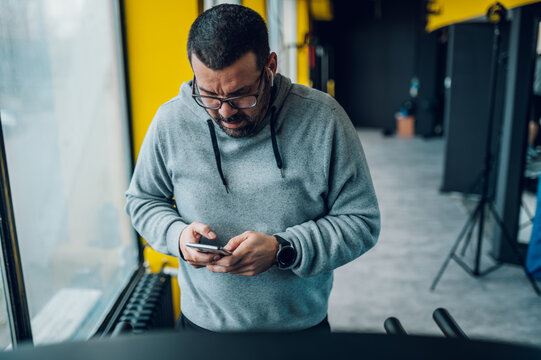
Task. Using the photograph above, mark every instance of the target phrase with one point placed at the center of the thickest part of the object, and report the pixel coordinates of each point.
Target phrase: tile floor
(419, 226)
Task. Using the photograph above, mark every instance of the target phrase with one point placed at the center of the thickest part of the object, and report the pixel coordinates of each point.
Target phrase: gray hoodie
(324, 204)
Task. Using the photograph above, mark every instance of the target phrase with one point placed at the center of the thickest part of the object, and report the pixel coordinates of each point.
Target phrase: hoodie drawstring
(218, 157)
(217, 153)
(275, 143)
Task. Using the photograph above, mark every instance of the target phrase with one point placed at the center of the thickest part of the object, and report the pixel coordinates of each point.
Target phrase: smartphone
(209, 249)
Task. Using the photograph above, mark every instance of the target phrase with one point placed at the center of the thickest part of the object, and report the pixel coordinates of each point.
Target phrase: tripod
(496, 14)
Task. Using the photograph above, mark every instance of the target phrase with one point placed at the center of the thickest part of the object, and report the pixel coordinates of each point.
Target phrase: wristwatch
(286, 255)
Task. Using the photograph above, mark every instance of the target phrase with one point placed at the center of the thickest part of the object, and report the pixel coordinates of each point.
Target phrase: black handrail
(393, 327)
(12, 272)
(447, 324)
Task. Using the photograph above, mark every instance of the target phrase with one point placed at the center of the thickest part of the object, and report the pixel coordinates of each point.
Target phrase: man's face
(241, 78)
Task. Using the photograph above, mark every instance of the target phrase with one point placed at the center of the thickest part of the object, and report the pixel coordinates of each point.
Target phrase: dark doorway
(376, 49)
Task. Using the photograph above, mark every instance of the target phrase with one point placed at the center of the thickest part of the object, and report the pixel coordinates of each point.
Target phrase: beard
(251, 122)
(247, 129)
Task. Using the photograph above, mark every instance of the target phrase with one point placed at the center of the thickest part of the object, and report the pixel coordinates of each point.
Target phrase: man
(273, 171)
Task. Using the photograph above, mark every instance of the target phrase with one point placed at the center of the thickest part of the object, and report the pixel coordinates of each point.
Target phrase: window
(67, 147)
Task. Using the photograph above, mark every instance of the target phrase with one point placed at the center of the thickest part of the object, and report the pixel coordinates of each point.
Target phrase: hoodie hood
(279, 92)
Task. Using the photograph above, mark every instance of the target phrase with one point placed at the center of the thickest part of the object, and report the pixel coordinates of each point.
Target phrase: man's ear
(272, 65)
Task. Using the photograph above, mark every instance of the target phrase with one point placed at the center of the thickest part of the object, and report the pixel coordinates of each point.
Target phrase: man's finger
(217, 268)
(245, 272)
(203, 230)
(245, 269)
(201, 257)
(233, 243)
(227, 264)
(228, 261)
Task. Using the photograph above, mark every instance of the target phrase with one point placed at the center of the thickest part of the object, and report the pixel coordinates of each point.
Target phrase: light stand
(496, 14)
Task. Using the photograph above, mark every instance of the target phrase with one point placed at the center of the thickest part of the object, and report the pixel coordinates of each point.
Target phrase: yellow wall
(258, 5)
(303, 27)
(157, 33)
(321, 9)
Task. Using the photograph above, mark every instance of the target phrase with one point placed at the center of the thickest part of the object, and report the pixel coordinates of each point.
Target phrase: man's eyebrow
(240, 91)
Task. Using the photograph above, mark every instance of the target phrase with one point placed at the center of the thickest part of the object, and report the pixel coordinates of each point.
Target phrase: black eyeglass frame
(229, 100)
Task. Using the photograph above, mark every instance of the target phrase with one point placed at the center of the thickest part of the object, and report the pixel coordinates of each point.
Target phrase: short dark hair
(224, 33)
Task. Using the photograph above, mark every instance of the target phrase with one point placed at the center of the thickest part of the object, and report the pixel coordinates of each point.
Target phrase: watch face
(286, 256)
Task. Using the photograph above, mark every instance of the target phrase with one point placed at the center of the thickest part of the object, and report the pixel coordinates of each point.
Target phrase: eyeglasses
(236, 102)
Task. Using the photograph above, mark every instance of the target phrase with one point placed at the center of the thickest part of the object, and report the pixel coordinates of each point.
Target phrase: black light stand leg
(468, 227)
(476, 271)
(468, 239)
(471, 189)
(513, 247)
(480, 231)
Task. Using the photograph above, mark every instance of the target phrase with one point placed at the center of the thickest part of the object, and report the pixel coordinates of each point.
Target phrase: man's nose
(226, 110)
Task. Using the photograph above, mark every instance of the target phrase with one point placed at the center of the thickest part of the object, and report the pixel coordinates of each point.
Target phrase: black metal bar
(107, 326)
(12, 271)
(126, 73)
(447, 324)
(488, 148)
(393, 327)
(121, 15)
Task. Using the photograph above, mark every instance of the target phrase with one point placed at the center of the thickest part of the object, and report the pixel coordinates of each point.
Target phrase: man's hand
(253, 253)
(192, 233)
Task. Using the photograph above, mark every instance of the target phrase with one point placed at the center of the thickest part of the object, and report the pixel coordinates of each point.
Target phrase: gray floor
(419, 226)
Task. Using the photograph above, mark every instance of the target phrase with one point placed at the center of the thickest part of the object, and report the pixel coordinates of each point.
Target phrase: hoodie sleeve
(352, 224)
(149, 196)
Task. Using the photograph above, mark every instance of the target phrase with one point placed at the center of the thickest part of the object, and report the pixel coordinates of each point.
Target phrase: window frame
(12, 272)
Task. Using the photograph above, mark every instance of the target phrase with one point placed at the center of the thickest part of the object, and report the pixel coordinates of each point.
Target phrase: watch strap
(282, 241)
